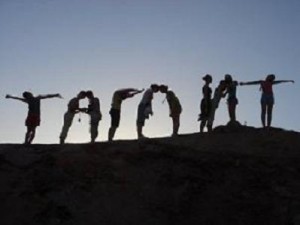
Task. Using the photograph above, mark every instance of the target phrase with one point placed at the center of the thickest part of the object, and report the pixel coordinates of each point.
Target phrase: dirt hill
(243, 176)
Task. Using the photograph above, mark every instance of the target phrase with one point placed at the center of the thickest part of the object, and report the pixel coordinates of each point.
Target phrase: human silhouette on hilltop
(115, 112)
(94, 112)
(145, 109)
(73, 108)
(267, 97)
(206, 102)
(34, 112)
(174, 106)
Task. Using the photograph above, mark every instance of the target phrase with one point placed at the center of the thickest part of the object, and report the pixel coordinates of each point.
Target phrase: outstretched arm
(134, 92)
(283, 81)
(251, 82)
(16, 98)
(49, 96)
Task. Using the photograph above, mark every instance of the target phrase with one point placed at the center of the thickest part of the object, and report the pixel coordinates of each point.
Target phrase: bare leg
(111, 133)
(140, 131)
(231, 110)
(269, 114)
(263, 114)
(202, 125)
(176, 124)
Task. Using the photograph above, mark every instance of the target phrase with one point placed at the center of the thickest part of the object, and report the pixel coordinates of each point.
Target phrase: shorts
(232, 101)
(115, 115)
(32, 120)
(141, 117)
(267, 99)
(205, 109)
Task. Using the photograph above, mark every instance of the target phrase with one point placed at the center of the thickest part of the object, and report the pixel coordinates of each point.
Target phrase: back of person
(267, 87)
(116, 100)
(147, 97)
(94, 106)
(174, 103)
(34, 106)
(231, 91)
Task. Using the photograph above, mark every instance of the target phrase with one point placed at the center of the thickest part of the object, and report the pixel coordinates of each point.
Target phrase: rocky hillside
(243, 176)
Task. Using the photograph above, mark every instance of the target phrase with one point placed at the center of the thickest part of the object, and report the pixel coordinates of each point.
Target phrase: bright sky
(64, 46)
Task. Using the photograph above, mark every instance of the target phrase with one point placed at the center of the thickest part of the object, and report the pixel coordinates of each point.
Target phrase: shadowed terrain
(236, 175)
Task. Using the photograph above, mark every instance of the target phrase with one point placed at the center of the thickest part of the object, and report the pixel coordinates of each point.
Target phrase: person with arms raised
(34, 112)
(267, 97)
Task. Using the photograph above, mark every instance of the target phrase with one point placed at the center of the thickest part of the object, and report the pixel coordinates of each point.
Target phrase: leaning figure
(174, 106)
(115, 112)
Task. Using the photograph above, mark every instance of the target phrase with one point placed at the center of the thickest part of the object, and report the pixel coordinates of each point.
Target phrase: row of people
(208, 106)
(228, 87)
(93, 110)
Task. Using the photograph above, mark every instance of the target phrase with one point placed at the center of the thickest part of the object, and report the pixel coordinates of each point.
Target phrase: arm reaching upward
(15, 98)
(283, 81)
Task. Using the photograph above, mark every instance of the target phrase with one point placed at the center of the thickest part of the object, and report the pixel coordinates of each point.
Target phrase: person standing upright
(34, 112)
(232, 101)
(267, 97)
(206, 102)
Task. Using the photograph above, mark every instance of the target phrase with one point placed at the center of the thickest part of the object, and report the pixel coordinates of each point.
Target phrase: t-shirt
(94, 105)
(267, 87)
(34, 106)
(206, 90)
(174, 104)
(73, 105)
(117, 100)
(147, 97)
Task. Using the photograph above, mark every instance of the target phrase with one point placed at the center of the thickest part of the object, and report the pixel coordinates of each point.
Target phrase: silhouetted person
(95, 114)
(174, 106)
(232, 100)
(218, 94)
(73, 108)
(267, 97)
(145, 109)
(206, 102)
(34, 112)
(115, 112)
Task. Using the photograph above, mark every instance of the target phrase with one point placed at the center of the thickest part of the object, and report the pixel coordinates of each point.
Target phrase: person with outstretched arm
(34, 112)
(174, 106)
(115, 112)
(73, 108)
(267, 98)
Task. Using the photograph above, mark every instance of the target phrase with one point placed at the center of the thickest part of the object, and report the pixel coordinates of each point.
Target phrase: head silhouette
(228, 78)
(27, 95)
(81, 95)
(270, 77)
(154, 87)
(207, 78)
(163, 88)
(89, 94)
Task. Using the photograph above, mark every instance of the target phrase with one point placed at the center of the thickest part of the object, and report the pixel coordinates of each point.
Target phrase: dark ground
(246, 176)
